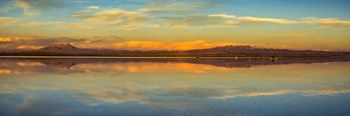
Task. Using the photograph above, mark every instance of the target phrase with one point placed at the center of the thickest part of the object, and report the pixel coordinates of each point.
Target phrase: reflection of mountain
(69, 50)
(220, 62)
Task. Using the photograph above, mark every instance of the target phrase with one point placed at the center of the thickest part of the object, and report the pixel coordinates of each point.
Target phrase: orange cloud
(5, 39)
(160, 45)
(28, 47)
(5, 71)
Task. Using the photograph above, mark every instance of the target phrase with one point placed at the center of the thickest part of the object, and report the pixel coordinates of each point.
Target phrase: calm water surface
(95, 87)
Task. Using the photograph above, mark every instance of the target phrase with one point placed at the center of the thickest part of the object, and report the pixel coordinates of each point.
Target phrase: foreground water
(173, 87)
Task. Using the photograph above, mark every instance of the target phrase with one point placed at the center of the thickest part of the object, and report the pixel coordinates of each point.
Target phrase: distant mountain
(220, 51)
(58, 48)
(251, 51)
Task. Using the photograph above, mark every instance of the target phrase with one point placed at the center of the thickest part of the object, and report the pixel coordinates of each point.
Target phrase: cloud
(219, 20)
(93, 7)
(223, 16)
(5, 71)
(112, 17)
(200, 20)
(63, 25)
(4, 21)
(327, 22)
(160, 45)
(227, 20)
(175, 6)
(5, 39)
(29, 47)
(32, 7)
(266, 20)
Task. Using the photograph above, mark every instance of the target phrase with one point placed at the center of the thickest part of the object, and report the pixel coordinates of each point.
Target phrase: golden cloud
(160, 45)
(5, 71)
(29, 47)
(5, 39)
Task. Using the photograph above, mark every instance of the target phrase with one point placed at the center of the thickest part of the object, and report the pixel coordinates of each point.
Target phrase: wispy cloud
(327, 22)
(250, 19)
(78, 25)
(175, 6)
(4, 21)
(198, 20)
(221, 20)
(112, 17)
(32, 7)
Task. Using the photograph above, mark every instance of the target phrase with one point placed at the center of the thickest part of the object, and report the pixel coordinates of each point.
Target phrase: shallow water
(173, 87)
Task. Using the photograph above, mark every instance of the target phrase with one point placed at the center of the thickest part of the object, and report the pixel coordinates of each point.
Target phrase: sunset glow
(175, 24)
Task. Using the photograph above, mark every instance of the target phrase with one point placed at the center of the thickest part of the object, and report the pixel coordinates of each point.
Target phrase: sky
(176, 24)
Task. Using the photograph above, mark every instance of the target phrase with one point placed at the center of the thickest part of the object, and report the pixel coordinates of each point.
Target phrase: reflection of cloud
(29, 64)
(326, 91)
(115, 95)
(5, 71)
(40, 106)
(7, 89)
(147, 95)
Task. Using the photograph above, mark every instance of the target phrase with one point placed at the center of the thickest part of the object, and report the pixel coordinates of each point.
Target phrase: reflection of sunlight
(159, 67)
(149, 67)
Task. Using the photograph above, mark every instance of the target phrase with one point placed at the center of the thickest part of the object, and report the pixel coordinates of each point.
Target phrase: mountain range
(220, 51)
